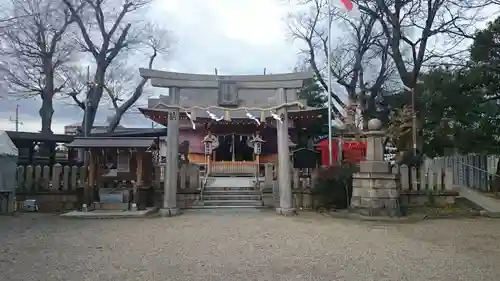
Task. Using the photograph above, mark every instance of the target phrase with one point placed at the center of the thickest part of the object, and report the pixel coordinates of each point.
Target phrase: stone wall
(50, 202)
(302, 199)
(422, 198)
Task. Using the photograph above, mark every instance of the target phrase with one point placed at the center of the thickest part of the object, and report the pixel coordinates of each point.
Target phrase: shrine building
(232, 109)
(230, 125)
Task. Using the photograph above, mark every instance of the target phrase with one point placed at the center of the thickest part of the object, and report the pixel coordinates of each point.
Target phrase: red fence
(353, 151)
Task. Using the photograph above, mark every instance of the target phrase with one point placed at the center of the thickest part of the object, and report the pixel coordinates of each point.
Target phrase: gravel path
(248, 245)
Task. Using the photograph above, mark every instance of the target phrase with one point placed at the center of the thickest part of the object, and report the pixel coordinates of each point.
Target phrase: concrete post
(172, 165)
(284, 178)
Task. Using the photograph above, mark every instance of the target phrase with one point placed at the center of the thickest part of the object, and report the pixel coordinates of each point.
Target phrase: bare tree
(123, 95)
(423, 32)
(366, 48)
(6, 21)
(77, 85)
(418, 26)
(7, 17)
(122, 88)
(35, 51)
(104, 33)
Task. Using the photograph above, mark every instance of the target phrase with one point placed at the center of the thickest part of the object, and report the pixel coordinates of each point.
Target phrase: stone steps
(229, 188)
(233, 191)
(233, 197)
(227, 192)
(230, 197)
(229, 207)
(237, 203)
(230, 182)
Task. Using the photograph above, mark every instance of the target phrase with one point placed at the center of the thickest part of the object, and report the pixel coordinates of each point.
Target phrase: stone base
(286, 211)
(377, 207)
(375, 167)
(352, 214)
(409, 198)
(169, 212)
(376, 212)
(109, 214)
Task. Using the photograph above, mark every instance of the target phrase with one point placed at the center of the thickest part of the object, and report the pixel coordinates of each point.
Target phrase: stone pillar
(89, 187)
(375, 187)
(284, 178)
(172, 165)
(268, 175)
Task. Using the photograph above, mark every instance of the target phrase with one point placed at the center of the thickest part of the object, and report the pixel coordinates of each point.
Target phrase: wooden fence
(59, 178)
(45, 178)
(433, 175)
(427, 178)
(188, 176)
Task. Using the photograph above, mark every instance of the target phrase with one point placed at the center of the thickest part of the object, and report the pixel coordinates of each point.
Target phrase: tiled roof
(134, 132)
(111, 142)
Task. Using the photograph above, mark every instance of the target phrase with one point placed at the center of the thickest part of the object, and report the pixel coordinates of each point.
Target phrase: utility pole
(86, 128)
(16, 119)
(413, 122)
(87, 104)
(329, 90)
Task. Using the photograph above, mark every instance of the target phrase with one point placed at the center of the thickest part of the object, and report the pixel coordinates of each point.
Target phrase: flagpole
(330, 154)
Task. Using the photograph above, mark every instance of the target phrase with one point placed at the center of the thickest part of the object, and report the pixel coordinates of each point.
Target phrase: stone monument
(375, 187)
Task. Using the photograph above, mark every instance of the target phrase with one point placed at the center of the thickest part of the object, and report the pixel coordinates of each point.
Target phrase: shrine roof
(112, 142)
(31, 136)
(134, 132)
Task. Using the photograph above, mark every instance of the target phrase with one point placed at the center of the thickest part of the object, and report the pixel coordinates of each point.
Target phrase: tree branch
(74, 96)
(86, 37)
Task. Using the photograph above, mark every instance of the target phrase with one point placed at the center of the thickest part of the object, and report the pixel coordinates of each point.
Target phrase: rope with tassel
(288, 104)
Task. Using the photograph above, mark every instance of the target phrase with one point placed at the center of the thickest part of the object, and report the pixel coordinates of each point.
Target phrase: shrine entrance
(233, 104)
(233, 148)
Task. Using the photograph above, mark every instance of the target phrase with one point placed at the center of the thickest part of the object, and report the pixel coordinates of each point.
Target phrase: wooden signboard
(304, 158)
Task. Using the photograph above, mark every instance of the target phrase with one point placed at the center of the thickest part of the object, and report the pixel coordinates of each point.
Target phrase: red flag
(347, 4)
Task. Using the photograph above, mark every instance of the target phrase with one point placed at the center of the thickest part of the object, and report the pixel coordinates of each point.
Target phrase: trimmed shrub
(334, 186)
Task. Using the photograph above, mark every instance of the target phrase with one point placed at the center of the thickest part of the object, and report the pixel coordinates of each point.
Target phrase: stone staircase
(231, 192)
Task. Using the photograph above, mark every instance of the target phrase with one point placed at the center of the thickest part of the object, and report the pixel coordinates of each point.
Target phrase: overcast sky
(236, 37)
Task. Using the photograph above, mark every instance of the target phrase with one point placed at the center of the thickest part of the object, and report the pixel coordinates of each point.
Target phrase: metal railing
(474, 171)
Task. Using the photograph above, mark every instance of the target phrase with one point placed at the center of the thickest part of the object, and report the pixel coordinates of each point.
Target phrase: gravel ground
(246, 245)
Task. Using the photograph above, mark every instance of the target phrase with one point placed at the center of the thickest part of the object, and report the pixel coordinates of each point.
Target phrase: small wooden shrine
(117, 161)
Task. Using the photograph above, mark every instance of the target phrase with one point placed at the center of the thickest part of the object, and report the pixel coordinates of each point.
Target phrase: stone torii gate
(278, 91)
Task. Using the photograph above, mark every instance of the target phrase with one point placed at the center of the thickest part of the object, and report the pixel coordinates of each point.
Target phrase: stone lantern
(210, 143)
(256, 143)
(375, 187)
